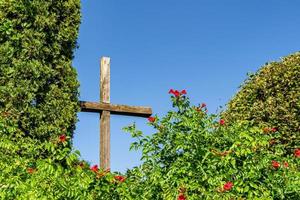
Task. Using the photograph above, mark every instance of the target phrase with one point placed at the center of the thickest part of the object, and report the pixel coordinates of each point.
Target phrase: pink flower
(227, 186)
(297, 153)
(286, 164)
(151, 119)
(274, 129)
(95, 168)
(62, 138)
(275, 164)
(222, 122)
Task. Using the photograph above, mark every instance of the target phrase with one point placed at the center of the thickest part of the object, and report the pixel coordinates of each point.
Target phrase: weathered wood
(105, 140)
(105, 115)
(105, 80)
(138, 111)
(106, 109)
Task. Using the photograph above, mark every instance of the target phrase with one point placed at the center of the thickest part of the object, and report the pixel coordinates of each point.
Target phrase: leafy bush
(38, 86)
(59, 176)
(194, 155)
(271, 98)
(38, 105)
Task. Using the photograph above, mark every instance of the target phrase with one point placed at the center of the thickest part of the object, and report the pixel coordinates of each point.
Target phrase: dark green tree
(38, 86)
(39, 103)
(271, 98)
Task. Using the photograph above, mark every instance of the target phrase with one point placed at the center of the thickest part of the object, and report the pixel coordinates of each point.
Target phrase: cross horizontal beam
(138, 111)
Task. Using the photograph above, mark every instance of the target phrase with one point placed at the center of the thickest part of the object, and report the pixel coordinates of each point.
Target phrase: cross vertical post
(105, 115)
(105, 109)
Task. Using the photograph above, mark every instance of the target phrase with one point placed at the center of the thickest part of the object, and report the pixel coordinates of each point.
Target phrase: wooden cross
(105, 108)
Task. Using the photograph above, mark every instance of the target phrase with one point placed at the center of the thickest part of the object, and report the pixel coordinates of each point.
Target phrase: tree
(38, 86)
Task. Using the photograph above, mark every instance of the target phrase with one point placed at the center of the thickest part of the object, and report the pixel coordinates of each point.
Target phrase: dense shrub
(194, 155)
(271, 97)
(59, 176)
(38, 86)
(38, 106)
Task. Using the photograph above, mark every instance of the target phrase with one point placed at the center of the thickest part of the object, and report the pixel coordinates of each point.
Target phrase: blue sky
(206, 47)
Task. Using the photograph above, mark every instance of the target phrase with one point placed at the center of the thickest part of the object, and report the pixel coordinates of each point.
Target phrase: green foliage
(192, 155)
(271, 98)
(38, 106)
(59, 176)
(196, 156)
(38, 86)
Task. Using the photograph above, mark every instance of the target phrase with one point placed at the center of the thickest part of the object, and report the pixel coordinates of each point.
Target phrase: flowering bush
(194, 155)
(56, 174)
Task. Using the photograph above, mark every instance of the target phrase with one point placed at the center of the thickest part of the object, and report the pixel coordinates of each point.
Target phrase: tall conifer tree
(38, 86)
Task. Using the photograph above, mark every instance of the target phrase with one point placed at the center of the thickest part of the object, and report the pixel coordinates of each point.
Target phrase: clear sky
(204, 46)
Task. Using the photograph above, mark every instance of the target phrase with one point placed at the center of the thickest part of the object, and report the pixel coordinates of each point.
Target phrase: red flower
(176, 93)
(268, 130)
(203, 105)
(181, 197)
(30, 170)
(183, 92)
(222, 122)
(227, 186)
(95, 168)
(297, 153)
(275, 164)
(151, 119)
(171, 91)
(120, 178)
(62, 138)
(286, 164)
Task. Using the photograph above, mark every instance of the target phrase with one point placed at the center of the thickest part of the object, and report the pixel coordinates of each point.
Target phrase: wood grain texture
(138, 111)
(105, 109)
(105, 115)
(105, 140)
(105, 80)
